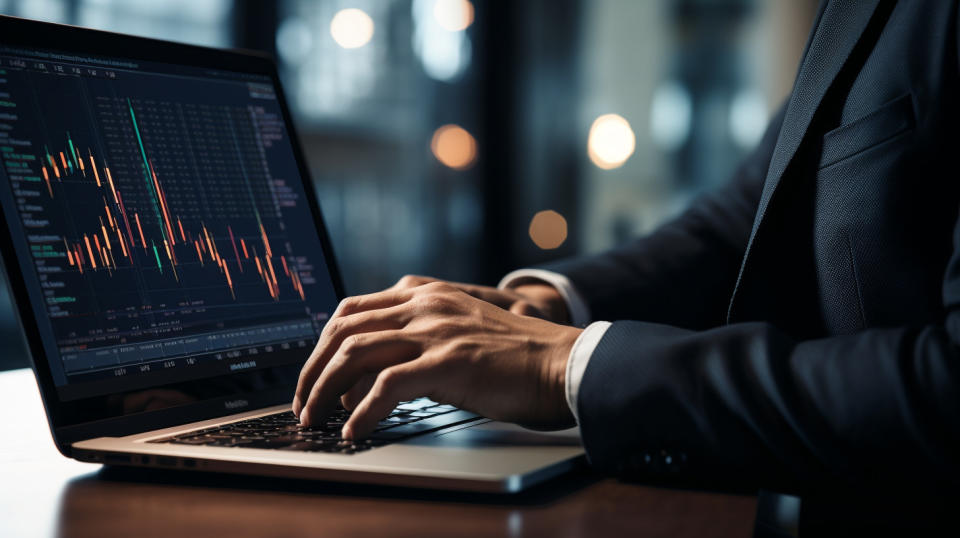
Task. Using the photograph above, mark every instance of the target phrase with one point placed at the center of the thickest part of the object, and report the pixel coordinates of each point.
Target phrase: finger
(406, 381)
(523, 308)
(373, 301)
(485, 293)
(358, 355)
(412, 281)
(352, 397)
(332, 337)
(491, 295)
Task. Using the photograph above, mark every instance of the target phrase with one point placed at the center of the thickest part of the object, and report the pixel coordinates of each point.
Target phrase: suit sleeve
(639, 280)
(746, 404)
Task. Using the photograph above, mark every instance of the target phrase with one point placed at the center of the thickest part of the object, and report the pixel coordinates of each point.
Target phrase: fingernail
(304, 418)
(346, 432)
(296, 405)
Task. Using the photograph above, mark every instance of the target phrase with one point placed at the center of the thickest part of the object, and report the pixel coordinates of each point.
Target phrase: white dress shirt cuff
(576, 306)
(579, 358)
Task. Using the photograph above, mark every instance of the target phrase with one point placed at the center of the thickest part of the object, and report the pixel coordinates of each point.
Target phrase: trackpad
(493, 433)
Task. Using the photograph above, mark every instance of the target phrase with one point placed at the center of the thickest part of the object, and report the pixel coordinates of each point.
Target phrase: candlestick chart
(161, 216)
(112, 241)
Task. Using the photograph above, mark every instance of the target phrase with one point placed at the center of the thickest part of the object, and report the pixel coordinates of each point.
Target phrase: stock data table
(45, 494)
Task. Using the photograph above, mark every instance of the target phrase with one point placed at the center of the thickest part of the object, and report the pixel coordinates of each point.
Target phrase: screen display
(160, 222)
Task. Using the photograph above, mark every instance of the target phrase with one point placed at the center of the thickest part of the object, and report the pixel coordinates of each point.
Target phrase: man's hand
(435, 340)
(531, 298)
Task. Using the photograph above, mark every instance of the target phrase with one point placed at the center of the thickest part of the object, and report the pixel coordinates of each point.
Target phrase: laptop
(172, 272)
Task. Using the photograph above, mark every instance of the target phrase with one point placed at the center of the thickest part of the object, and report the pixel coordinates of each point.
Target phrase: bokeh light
(611, 141)
(748, 118)
(444, 52)
(351, 28)
(453, 15)
(294, 40)
(671, 115)
(548, 229)
(453, 146)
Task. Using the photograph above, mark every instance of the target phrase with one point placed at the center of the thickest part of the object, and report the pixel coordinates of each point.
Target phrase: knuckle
(386, 381)
(435, 296)
(351, 344)
(334, 326)
(435, 287)
(347, 304)
(409, 281)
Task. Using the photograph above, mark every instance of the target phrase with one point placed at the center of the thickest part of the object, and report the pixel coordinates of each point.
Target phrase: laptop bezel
(64, 38)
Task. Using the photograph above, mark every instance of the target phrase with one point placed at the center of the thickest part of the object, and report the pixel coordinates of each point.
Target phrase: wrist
(555, 375)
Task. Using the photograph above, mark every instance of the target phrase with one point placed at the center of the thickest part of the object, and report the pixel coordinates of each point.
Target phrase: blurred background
(465, 138)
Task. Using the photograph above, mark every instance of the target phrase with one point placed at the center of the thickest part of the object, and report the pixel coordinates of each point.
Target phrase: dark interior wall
(533, 152)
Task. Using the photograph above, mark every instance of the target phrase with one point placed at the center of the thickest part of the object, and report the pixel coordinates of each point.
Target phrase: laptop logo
(235, 404)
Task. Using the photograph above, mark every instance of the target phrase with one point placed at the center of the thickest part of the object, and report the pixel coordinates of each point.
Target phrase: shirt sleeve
(579, 316)
(579, 358)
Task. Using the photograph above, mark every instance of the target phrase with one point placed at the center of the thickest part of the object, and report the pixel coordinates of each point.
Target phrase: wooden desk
(44, 494)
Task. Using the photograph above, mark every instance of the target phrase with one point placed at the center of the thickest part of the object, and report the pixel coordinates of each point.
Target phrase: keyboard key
(398, 420)
(416, 405)
(289, 428)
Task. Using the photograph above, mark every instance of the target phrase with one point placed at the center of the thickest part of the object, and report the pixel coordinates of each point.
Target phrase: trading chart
(162, 213)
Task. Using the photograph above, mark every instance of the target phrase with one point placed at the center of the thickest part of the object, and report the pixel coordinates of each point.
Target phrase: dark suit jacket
(801, 326)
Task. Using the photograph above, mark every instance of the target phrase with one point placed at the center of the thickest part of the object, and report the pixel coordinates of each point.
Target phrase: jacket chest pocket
(891, 120)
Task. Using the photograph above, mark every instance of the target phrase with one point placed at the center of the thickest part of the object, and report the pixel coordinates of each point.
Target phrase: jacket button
(640, 460)
(671, 461)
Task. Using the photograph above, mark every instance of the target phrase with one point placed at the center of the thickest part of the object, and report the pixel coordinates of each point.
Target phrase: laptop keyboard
(282, 431)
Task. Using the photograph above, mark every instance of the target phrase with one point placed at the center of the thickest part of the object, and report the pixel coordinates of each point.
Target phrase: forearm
(676, 276)
(746, 404)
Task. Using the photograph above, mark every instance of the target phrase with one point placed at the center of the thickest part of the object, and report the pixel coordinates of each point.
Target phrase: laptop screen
(162, 227)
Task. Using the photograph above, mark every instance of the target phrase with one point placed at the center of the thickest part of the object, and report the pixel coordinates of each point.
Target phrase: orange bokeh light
(548, 229)
(454, 147)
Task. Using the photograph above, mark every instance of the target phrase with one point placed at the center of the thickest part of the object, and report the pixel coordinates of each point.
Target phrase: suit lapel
(840, 28)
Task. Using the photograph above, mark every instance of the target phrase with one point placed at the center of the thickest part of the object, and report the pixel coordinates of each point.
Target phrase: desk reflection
(177, 503)
(124, 502)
